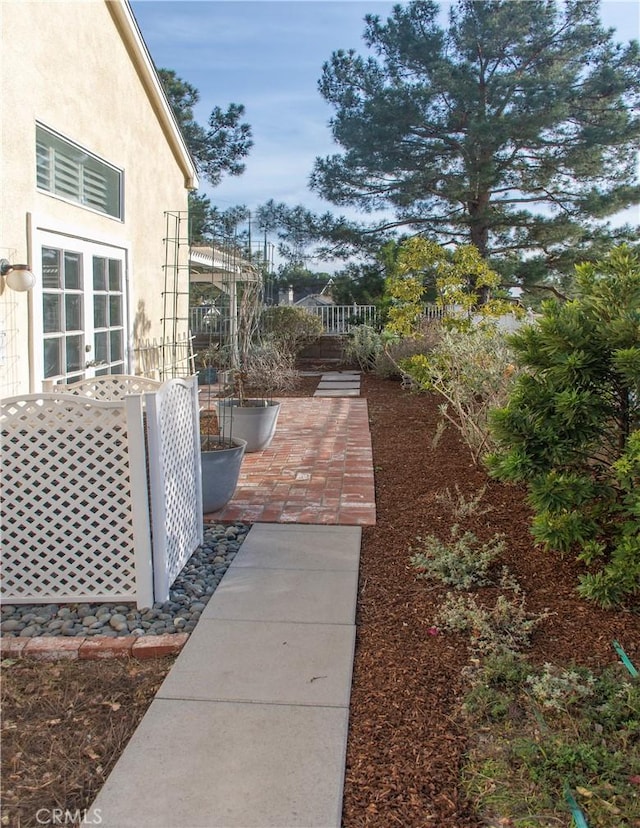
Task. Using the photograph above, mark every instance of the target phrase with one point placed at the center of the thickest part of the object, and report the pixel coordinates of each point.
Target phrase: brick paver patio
(318, 468)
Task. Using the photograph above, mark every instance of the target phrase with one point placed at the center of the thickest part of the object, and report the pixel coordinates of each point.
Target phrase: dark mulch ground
(64, 724)
(406, 739)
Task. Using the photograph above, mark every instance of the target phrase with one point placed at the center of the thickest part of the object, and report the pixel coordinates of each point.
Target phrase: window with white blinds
(66, 170)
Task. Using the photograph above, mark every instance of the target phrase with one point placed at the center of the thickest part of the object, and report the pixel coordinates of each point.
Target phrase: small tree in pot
(252, 419)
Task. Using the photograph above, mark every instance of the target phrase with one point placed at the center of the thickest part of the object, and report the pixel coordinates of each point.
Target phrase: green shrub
(474, 371)
(570, 427)
(463, 562)
(397, 349)
(291, 329)
(503, 629)
(363, 346)
(557, 689)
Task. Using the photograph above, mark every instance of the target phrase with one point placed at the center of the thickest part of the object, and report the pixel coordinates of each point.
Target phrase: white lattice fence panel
(68, 521)
(110, 387)
(174, 479)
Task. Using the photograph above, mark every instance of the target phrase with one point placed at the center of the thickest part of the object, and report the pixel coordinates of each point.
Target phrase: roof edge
(127, 25)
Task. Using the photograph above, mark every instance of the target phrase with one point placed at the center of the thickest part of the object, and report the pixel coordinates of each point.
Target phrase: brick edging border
(52, 648)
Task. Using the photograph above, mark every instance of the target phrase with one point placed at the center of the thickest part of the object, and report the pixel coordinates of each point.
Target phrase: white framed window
(84, 310)
(108, 315)
(63, 314)
(66, 170)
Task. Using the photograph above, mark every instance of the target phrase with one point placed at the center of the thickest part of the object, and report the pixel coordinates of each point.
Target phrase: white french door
(83, 306)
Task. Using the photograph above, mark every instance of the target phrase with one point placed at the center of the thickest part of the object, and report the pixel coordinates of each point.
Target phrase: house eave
(127, 26)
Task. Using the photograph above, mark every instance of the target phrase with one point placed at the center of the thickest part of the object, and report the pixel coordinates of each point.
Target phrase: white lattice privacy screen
(75, 517)
(111, 387)
(175, 474)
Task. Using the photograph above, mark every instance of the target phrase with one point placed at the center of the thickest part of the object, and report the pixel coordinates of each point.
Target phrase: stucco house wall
(80, 69)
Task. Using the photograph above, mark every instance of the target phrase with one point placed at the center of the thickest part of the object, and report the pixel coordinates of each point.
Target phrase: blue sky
(268, 55)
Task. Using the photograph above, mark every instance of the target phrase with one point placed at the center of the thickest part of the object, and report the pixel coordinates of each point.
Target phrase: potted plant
(221, 459)
(206, 365)
(250, 418)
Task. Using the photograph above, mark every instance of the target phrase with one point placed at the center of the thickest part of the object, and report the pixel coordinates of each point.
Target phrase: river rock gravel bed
(187, 599)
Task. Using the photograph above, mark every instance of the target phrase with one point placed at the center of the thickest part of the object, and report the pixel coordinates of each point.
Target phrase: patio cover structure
(224, 267)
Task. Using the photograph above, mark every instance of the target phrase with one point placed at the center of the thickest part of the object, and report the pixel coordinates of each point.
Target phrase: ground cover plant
(547, 734)
(411, 745)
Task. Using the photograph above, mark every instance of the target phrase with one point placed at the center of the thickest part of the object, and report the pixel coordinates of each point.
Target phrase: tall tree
(207, 222)
(361, 284)
(217, 148)
(515, 129)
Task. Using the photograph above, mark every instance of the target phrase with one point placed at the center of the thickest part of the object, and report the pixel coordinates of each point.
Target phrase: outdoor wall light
(17, 276)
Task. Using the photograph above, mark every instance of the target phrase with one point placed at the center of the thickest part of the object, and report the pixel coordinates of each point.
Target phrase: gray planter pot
(255, 421)
(220, 472)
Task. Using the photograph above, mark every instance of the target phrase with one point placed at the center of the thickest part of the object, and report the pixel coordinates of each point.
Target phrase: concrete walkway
(249, 728)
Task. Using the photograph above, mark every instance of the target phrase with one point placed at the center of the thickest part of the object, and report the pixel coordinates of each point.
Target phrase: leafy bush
(557, 689)
(474, 371)
(363, 347)
(502, 629)
(291, 329)
(397, 349)
(463, 278)
(463, 562)
(570, 427)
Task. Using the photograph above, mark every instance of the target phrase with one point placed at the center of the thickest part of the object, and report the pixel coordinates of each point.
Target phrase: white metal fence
(339, 319)
(433, 312)
(100, 499)
(336, 319)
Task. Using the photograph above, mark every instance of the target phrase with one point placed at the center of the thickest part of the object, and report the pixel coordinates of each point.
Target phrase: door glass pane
(100, 316)
(101, 347)
(73, 312)
(74, 353)
(117, 369)
(72, 271)
(115, 311)
(115, 275)
(117, 349)
(50, 268)
(99, 273)
(52, 362)
(52, 312)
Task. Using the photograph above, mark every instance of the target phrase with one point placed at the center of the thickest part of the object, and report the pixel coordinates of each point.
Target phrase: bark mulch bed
(64, 724)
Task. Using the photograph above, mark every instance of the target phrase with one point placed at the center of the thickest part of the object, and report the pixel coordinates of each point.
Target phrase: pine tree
(515, 129)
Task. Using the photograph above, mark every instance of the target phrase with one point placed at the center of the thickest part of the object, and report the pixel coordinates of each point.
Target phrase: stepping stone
(336, 386)
(347, 392)
(294, 546)
(338, 376)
